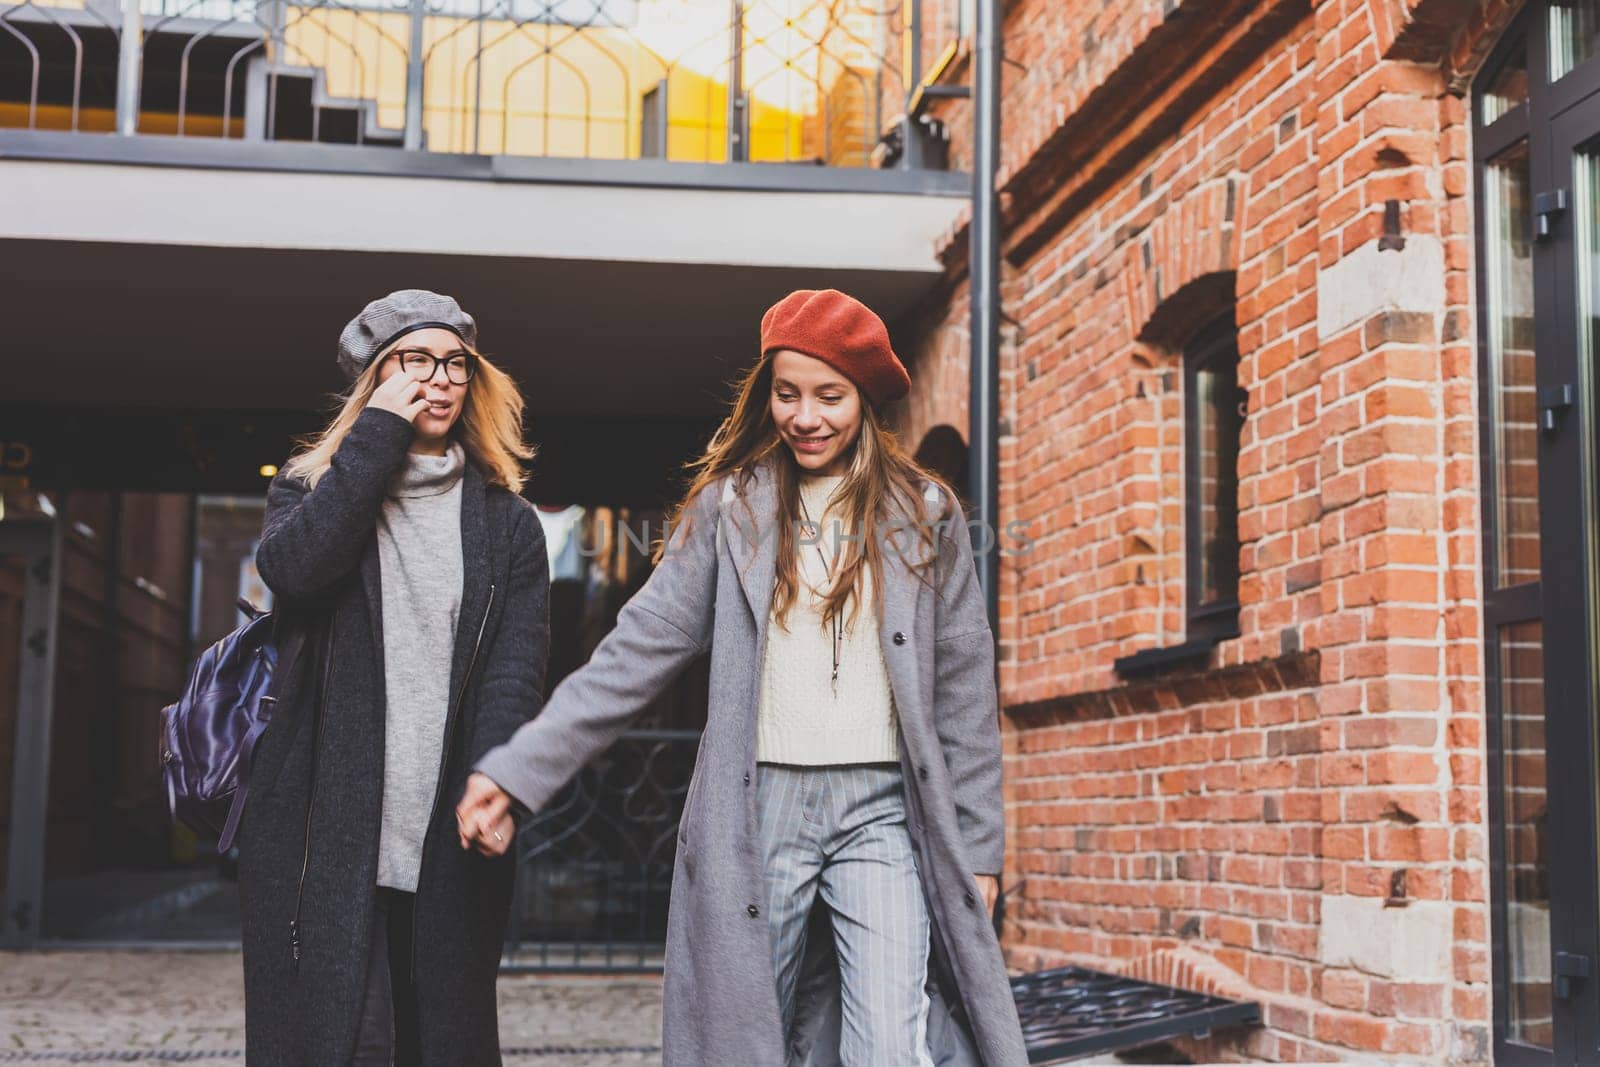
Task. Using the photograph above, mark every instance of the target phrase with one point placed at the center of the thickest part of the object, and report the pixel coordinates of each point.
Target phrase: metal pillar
(912, 59)
(38, 542)
(414, 63)
(912, 154)
(130, 59)
(738, 104)
(983, 278)
(655, 122)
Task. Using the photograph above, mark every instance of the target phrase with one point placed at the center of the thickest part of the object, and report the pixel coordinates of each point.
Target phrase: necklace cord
(827, 568)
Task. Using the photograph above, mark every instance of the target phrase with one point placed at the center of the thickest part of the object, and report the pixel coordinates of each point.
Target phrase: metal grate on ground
(1072, 1011)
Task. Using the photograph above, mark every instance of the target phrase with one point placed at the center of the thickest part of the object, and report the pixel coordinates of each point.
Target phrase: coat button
(747, 778)
(922, 772)
(755, 912)
(971, 900)
(899, 638)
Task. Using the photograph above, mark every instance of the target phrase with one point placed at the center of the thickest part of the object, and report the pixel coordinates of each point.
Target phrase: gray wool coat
(713, 591)
(316, 784)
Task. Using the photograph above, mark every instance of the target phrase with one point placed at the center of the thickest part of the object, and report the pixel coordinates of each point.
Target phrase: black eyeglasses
(459, 367)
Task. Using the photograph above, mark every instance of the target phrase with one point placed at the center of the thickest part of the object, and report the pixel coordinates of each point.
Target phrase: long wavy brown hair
(489, 429)
(880, 500)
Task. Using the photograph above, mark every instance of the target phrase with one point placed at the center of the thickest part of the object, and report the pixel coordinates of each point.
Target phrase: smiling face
(817, 411)
(445, 380)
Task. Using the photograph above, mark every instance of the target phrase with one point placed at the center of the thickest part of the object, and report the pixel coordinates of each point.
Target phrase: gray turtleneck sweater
(419, 549)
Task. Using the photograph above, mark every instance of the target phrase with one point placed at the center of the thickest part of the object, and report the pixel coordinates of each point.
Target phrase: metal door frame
(1556, 120)
(1573, 646)
(38, 541)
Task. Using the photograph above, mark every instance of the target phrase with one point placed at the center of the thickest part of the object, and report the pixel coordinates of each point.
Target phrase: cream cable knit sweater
(801, 719)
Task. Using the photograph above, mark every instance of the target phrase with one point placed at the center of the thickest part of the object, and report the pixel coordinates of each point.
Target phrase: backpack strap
(290, 646)
(236, 809)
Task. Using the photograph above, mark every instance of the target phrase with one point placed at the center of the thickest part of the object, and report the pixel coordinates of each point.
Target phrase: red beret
(842, 332)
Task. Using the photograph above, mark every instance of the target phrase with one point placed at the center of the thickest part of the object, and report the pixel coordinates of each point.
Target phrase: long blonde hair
(489, 429)
(882, 490)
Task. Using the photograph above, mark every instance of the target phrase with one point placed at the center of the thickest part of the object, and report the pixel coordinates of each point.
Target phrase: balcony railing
(703, 81)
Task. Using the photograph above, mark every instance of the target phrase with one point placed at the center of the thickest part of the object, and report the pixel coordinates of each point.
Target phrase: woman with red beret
(851, 754)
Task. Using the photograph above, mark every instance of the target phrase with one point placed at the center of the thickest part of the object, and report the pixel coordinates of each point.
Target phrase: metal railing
(705, 81)
(594, 868)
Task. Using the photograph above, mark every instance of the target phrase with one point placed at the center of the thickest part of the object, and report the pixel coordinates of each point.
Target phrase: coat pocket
(691, 800)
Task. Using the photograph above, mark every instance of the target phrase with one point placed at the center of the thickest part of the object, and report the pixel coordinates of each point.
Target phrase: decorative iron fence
(702, 81)
(594, 869)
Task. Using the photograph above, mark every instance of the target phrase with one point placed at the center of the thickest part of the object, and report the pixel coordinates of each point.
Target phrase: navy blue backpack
(208, 736)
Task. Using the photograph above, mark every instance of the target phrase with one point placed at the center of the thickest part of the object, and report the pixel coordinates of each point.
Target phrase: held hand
(483, 818)
(989, 886)
(401, 394)
(494, 839)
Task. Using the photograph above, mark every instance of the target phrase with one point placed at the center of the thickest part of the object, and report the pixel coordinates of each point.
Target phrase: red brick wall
(1305, 814)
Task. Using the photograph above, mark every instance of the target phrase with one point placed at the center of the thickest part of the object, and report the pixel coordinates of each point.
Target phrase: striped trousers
(840, 833)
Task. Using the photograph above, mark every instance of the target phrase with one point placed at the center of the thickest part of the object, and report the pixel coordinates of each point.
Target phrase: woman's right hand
(483, 817)
(401, 394)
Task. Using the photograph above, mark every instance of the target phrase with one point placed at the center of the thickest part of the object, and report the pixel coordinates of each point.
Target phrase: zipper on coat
(444, 759)
(321, 711)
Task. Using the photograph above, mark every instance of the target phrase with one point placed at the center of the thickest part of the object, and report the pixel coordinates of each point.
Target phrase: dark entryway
(126, 538)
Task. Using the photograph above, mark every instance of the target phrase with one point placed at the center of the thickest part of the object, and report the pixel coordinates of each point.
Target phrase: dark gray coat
(318, 554)
(713, 590)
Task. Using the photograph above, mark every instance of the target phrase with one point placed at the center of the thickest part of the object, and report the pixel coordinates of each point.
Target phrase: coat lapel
(750, 523)
(475, 549)
(372, 586)
(900, 591)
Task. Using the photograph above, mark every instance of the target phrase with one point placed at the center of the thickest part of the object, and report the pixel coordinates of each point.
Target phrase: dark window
(1214, 407)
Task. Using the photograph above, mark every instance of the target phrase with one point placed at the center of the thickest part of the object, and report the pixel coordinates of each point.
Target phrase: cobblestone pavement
(188, 1007)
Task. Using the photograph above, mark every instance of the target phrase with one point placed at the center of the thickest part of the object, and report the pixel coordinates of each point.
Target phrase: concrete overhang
(168, 278)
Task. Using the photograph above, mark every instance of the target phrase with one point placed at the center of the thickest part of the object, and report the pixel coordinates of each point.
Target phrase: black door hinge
(1546, 206)
(1569, 965)
(1553, 401)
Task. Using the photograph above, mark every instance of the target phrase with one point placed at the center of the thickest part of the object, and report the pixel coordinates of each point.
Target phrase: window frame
(1215, 620)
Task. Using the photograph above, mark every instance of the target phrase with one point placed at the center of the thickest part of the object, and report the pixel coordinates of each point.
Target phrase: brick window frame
(1189, 326)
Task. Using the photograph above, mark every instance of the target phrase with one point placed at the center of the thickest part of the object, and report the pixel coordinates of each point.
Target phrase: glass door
(1572, 202)
(1537, 150)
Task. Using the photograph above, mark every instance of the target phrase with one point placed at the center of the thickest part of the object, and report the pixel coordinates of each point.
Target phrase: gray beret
(389, 318)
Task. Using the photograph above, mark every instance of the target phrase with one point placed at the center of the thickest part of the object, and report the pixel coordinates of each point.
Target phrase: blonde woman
(397, 541)
(841, 842)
